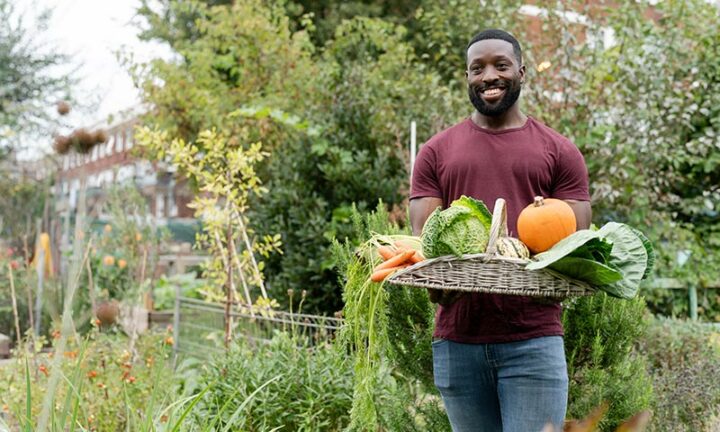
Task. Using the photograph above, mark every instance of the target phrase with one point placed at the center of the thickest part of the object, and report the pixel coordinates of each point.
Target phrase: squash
(512, 248)
(545, 222)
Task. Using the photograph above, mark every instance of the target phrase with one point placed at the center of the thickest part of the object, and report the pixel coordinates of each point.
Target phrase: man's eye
(502, 66)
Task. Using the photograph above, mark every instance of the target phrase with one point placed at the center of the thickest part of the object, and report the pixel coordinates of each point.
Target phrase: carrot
(417, 257)
(396, 260)
(386, 253)
(380, 275)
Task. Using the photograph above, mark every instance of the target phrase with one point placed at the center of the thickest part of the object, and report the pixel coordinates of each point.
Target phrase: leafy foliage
(30, 82)
(111, 386)
(388, 331)
(286, 385)
(600, 332)
(223, 167)
(684, 362)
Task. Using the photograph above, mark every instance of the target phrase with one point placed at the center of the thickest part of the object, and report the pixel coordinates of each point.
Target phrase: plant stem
(250, 250)
(14, 305)
(242, 276)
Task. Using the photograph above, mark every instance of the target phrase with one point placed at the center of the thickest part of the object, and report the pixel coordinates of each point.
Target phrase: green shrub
(600, 333)
(285, 385)
(684, 362)
(388, 333)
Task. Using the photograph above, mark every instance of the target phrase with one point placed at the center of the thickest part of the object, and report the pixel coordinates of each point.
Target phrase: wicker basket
(489, 272)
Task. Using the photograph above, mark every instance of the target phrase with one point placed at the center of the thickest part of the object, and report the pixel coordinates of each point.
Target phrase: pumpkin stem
(539, 201)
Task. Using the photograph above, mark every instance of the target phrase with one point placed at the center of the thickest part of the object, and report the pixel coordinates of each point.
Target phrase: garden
(290, 121)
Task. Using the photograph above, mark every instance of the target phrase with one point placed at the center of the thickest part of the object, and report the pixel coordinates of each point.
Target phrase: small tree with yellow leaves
(222, 166)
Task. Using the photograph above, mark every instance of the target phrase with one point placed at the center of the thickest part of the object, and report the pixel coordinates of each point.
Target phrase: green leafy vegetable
(568, 246)
(462, 228)
(614, 258)
(587, 270)
(628, 255)
(477, 207)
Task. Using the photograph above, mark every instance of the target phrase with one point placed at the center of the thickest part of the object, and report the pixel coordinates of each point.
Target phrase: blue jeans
(503, 387)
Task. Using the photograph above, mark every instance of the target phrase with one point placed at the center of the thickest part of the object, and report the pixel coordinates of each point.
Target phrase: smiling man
(499, 360)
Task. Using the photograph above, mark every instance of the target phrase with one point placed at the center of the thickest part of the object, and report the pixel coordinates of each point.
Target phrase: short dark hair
(496, 34)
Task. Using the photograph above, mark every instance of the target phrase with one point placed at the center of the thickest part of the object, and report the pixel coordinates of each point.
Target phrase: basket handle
(498, 226)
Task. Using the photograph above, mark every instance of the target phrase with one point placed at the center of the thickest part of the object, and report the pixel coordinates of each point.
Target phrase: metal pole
(692, 294)
(413, 146)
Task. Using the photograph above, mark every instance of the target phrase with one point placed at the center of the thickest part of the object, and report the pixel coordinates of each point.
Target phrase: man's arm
(582, 210)
(420, 210)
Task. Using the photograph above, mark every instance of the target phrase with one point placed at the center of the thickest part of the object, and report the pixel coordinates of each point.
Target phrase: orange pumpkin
(544, 223)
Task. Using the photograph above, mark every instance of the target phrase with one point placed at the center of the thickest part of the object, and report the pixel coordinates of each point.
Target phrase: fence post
(692, 298)
(176, 324)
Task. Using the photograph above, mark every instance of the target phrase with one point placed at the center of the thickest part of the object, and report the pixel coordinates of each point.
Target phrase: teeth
(491, 92)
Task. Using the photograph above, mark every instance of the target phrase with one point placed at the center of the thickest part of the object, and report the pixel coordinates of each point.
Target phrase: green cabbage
(462, 228)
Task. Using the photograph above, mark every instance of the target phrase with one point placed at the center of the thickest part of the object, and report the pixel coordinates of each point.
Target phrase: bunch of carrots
(394, 259)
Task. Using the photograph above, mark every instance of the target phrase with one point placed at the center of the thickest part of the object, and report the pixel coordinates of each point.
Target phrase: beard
(512, 93)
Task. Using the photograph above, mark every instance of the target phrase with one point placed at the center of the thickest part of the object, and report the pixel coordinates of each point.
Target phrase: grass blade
(247, 401)
(187, 410)
(72, 392)
(28, 398)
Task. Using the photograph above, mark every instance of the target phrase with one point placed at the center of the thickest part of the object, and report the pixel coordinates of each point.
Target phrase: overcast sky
(92, 32)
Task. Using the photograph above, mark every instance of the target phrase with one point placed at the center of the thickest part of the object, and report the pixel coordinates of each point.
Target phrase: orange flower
(92, 374)
(149, 361)
(109, 260)
(163, 419)
(97, 322)
(101, 385)
(14, 265)
(91, 418)
(70, 354)
(122, 263)
(169, 340)
(56, 334)
(130, 379)
(44, 370)
(107, 228)
(138, 236)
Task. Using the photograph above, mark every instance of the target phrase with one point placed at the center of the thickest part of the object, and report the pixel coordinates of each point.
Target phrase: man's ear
(522, 74)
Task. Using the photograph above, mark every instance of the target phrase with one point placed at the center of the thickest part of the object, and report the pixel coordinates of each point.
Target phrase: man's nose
(489, 75)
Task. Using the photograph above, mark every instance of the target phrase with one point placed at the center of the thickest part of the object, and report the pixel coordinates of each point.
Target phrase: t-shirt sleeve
(571, 174)
(424, 177)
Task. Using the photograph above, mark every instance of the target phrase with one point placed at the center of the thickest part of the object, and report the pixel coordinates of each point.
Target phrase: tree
(245, 55)
(29, 85)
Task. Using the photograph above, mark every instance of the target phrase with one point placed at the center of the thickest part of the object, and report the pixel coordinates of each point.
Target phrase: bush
(285, 385)
(600, 333)
(684, 362)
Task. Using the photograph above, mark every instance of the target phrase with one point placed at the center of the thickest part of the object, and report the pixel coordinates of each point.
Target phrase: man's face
(494, 76)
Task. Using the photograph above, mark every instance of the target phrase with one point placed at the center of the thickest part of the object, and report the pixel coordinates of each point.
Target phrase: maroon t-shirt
(516, 165)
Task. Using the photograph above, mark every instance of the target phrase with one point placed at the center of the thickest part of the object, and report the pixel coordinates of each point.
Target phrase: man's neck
(512, 118)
